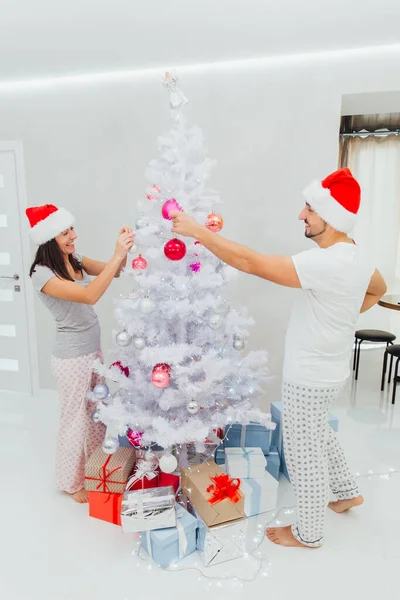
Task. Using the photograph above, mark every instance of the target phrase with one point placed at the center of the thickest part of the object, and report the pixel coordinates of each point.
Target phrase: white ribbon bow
(144, 468)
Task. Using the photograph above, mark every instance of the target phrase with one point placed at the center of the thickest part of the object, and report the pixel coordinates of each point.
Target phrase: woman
(61, 279)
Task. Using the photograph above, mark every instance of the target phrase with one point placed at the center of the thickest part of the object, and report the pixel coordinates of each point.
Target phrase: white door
(15, 360)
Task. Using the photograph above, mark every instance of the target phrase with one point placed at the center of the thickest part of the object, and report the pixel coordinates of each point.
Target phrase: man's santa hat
(47, 222)
(336, 199)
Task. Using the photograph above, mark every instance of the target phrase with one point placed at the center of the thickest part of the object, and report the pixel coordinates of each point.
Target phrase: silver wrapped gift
(151, 508)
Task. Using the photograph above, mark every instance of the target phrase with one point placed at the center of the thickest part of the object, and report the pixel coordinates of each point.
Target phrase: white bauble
(168, 463)
(215, 321)
(147, 306)
(123, 338)
(139, 343)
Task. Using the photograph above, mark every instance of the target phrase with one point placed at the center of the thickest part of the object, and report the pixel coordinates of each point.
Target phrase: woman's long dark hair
(49, 255)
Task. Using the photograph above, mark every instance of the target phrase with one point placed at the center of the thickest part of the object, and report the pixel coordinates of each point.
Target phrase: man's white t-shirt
(320, 334)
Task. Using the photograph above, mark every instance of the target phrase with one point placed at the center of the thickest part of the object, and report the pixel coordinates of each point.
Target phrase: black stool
(394, 352)
(369, 335)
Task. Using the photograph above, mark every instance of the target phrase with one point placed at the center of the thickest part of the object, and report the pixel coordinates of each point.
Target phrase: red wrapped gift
(105, 506)
(169, 479)
(145, 475)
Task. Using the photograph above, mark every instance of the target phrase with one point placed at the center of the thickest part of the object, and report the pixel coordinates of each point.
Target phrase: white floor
(51, 549)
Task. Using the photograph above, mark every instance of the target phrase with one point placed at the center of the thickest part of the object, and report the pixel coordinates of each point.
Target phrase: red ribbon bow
(224, 487)
(105, 477)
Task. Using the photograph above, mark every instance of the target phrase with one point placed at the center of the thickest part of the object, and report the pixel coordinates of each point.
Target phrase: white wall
(272, 127)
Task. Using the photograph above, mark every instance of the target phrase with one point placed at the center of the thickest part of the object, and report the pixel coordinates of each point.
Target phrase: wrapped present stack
(253, 435)
(106, 476)
(277, 434)
(128, 489)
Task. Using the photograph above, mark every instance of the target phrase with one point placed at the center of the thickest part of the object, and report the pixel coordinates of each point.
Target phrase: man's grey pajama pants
(314, 458)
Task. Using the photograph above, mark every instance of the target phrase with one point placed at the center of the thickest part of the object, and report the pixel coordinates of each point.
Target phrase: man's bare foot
(341, 506)
(283, 536)
(81, 496)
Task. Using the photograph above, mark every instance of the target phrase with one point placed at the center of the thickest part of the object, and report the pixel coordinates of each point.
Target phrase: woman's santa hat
(336, 199)
(47, 222)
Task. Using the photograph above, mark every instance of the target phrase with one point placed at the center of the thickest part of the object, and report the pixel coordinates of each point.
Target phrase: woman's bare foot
(81, 496)
(341, 506)
(283, 536)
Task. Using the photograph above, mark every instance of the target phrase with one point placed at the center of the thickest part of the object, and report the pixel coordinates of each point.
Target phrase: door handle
(15, 277)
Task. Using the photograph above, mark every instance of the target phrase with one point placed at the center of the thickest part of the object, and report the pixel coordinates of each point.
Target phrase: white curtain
(375, 162)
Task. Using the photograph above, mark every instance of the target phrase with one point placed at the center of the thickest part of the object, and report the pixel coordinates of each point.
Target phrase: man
(337, 283)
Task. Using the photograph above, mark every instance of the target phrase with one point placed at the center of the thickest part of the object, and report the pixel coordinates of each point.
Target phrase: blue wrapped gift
(273, 462)
(168, 546)
(252, 435)
(219, 455)
(276, 416)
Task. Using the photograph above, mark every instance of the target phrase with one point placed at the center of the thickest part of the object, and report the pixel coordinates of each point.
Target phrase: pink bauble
(195, 267)
(214, 222)
(160, 379)
(124, 370)
(139, 263)
(175, 249)
(170, 206)
(162, 367)
(134, 438)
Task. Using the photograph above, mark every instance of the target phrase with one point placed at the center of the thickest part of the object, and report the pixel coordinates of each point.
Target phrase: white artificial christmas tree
(178, 344)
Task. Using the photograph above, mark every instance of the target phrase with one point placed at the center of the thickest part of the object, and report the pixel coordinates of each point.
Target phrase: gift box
(214, 494)
(143, 510)
(276, 416)
(165, 479)
(260, 495)
(109, 472)
(221, 543)
(245, 463)
(168, 546)
(219, 455)
(145, 475)
(273, 462)
(253, 435)
(105, 506)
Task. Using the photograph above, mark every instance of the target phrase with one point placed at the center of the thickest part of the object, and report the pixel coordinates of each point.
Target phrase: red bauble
(175, 249)
(160, 379)
(124, 370)
(139, 263)
(170, 206)
(214, 222)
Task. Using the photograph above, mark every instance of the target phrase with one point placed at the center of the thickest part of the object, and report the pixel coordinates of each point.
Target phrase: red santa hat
(336, 199)
(47, 222)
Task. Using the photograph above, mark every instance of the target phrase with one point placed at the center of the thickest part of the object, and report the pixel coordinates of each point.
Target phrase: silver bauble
(123, 338)
(238, 344)
(215, 321)
(192, 407)
(101, 391)
(95, 416)
(142, 222)
(110, 445)
(134, 250)
(139, 343)
(147, 306)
